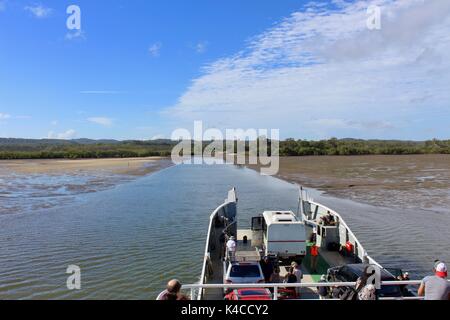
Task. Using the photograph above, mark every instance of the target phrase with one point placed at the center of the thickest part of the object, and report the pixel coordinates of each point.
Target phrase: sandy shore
(44, 184)
(336, 172)
(419, 181)
(125, 166)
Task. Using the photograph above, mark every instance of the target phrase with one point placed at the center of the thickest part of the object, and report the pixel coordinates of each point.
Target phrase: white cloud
(201, 47)
(350, 124)
(323, 63)
(155, 49)
(77, 34)
(103, 121)
(69, 134)
(39, 11)
(54, 123)
(4, 116)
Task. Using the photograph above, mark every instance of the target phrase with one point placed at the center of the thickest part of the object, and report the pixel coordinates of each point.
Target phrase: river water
(129, 240)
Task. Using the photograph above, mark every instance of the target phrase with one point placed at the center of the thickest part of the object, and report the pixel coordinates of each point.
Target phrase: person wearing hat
(231, 249)
(436, 287)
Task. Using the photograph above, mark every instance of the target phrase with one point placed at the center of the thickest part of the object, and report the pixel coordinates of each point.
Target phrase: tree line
(90, 149)
(335, 146)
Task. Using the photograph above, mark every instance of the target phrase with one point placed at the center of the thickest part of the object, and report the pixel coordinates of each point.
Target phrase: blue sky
(140, 69)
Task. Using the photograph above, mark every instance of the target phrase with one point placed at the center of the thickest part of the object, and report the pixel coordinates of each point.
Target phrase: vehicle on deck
(280, 234)
(351, 273)
(249, 294)
(244, 272)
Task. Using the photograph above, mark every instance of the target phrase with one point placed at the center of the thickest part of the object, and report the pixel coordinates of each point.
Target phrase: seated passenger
(172, 292)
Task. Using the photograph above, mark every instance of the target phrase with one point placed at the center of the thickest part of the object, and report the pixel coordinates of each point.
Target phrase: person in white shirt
(231, 248)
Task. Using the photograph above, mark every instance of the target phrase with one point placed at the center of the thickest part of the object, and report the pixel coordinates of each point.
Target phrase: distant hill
(82, 141)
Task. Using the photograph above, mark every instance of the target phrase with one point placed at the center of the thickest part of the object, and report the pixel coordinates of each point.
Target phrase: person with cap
(436, 287)
(231, 248)
(172, 291)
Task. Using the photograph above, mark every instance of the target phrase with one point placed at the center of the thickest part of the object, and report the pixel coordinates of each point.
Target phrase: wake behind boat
(316, 239)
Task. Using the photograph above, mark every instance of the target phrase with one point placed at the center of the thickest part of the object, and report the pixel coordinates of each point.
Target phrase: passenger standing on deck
(291, 278)
(298, 274)
(314, 257)
(436, 287)
(231, 249)
(267, 268)
(275, 277)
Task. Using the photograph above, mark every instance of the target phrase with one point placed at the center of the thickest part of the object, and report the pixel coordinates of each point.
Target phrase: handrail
(206, 256)
(276, 286)
(294, 285)
(211, 221)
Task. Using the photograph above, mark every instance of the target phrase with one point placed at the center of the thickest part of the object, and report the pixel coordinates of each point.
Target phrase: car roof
(358, 269)
(246, 263)
(254, 291)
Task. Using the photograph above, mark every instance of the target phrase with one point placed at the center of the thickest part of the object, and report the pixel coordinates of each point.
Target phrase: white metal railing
(206, 255)
(276, 286)
(231, 199)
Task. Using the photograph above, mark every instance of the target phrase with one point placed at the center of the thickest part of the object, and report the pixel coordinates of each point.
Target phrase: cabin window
(257, 224)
